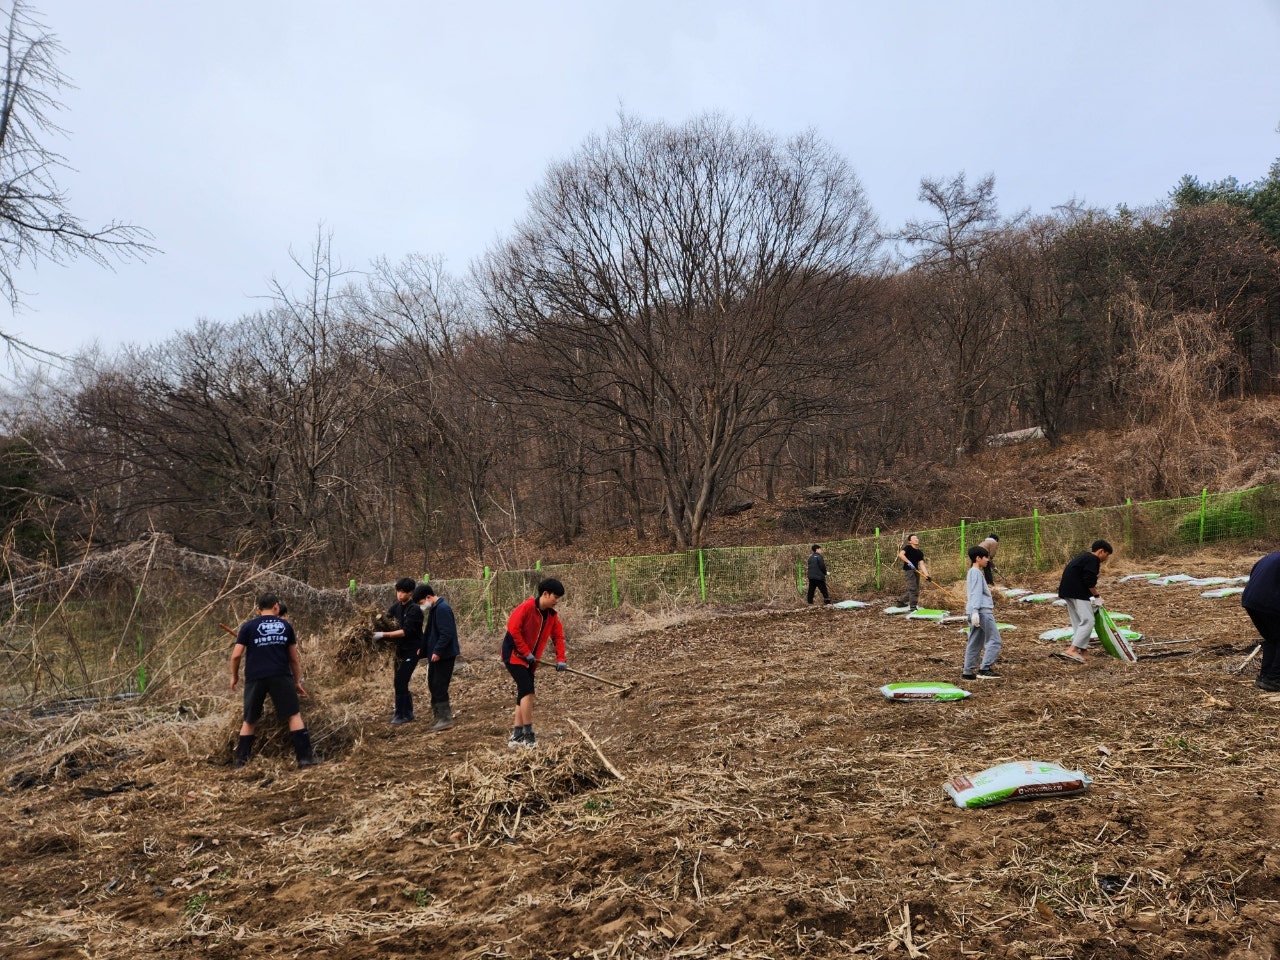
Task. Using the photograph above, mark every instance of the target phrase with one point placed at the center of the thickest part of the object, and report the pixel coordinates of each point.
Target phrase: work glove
(1096, 601)
(910, 565)
(561, 666)
(530, 659)
(975, 619)
(378, 634)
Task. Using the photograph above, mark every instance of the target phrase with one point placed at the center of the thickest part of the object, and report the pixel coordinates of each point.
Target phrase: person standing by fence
(991, 545)
(984, 635)
(817, 571)
(912, 558)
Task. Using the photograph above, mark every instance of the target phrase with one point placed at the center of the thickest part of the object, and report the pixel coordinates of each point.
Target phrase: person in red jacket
(529, 628)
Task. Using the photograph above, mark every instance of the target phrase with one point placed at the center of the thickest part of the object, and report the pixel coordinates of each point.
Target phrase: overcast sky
(232, 130)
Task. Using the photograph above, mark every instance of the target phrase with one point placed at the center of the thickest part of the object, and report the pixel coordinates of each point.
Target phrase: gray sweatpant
(911, 592)
(984, 642)
(1081, 614)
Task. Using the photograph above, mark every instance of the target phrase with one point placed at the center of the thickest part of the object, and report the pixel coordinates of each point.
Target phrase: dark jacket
(817, 566)
(1079, 576)
(441, 637)
(1262, 592)
(410, 618)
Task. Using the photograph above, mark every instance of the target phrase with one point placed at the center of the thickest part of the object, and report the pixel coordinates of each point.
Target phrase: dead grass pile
(354, 643)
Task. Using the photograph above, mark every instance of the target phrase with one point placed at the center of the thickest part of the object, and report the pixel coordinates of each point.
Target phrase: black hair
(995, 537)
(283, 610)
(421, 592)
(817, 547)
(977, 551)
(551, 585)
(267, 600)
(1101, 545)
(406, 585)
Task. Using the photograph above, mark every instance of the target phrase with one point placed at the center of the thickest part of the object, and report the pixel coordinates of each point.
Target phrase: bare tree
(954, 303)
(35, 220)
(688, 289)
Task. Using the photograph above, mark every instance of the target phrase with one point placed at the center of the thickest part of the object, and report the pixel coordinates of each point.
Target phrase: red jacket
(528, 630)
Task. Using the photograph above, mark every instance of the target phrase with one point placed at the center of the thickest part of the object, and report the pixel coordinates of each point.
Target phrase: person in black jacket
(1261, 600)
(440, 648)
(1079, 587)
(408, 646)
(818, 574)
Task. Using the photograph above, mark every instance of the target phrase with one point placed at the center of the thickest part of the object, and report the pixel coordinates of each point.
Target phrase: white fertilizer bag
(894, 610)
(1139, 576)
(1223, 592)
(1038, 598)
(850, 604)
(1020, 780)
(923, 690)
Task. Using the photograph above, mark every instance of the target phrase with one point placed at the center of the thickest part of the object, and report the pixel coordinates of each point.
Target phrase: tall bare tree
(35, 220)
(690, 289)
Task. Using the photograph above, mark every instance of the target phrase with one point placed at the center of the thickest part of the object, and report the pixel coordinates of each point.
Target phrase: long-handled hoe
(624, 688)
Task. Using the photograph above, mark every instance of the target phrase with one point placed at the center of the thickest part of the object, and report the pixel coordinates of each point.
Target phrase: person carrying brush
(529, 628)
(408, 640)
(912, 558)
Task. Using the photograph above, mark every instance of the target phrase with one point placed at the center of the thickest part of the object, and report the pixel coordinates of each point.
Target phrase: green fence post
(488, 599)
(702, 575)
(613, 575)
(537, 565)
(963, 558)
(351, 588)
(1035, 535)
(877, 559)
(1204, 498)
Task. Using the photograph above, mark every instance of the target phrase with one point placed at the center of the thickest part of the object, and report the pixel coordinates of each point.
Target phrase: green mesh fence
(121, 642)
(735, 575)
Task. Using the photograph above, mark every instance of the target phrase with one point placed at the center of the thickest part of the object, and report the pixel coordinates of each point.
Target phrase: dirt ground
(765, 801)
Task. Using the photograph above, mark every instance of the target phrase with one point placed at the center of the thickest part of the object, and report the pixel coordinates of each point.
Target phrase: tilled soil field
(752, 795)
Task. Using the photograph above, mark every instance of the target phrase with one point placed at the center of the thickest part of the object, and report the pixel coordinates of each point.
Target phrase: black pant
(439, 676)
(821, 586)
(404, 670)
(1268, 625)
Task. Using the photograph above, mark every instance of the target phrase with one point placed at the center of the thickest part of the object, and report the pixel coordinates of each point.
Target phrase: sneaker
(529, 740)
(1268, 683)
(517, 740)
(397, 720)
(968, 676)
(986, 673)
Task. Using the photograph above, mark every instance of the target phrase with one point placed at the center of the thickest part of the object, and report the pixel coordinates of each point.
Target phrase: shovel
(624, 687)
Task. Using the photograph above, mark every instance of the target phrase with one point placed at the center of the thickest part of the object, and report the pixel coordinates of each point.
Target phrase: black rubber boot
(444, 716)
(244, 747)
(302, 748)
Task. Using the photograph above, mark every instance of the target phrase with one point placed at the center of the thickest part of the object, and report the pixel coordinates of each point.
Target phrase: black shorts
(283, 695)
(523, 677)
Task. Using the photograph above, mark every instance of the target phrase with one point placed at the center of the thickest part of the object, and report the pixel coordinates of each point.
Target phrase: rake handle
(589, 676)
